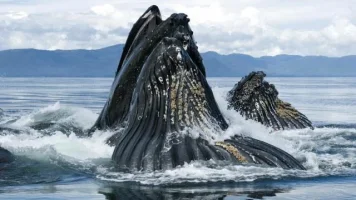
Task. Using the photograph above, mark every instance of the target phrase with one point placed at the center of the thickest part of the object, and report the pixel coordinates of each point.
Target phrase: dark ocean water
(61, 165)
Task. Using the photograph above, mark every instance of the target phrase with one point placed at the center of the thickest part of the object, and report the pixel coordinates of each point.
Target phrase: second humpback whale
(254, 98)
(163, 108)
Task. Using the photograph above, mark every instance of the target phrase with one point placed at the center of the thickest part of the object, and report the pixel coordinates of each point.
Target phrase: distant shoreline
(103, 63)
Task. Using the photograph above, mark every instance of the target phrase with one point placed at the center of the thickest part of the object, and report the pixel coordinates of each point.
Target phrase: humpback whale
(163, 109)
(256, 99)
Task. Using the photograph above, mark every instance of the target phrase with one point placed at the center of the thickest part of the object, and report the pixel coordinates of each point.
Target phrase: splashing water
(61, 152)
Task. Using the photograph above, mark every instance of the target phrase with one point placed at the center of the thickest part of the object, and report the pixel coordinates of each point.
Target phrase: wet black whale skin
(256, 99)
(161, 99)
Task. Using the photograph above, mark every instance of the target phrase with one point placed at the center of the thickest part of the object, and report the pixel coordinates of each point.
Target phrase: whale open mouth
(166, 108)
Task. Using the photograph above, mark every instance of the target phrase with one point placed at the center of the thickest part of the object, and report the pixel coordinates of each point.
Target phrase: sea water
(61, 165)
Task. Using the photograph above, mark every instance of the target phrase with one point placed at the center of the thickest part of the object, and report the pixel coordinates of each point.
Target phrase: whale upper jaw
(143, 26)
(254, 82)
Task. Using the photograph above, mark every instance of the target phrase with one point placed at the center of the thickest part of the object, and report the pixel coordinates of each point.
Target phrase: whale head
(254, 98)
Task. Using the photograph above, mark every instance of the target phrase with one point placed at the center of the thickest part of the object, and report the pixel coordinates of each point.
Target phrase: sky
(254, 27)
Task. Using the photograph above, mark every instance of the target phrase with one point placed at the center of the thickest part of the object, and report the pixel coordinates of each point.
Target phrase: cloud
(252, 15)
(17, 15)
(254, 27)
(104, 10)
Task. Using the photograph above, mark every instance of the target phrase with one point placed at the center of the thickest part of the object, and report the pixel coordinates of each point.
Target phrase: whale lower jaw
(185, 149)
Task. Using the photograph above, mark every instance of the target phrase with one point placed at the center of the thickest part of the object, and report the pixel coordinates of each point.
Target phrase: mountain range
(103, 63)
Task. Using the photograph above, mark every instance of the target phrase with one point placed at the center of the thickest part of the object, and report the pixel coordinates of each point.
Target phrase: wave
(324, 151)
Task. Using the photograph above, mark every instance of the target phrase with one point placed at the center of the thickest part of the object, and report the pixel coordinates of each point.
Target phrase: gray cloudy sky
(255, 27)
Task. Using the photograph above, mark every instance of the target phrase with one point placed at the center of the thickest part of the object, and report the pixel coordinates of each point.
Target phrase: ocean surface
(53, 163)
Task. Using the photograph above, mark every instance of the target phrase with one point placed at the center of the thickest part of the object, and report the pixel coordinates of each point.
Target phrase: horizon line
(210, 51)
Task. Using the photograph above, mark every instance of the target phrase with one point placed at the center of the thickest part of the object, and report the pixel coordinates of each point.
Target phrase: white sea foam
(81, 117)
(324, 151)
(200, 172)
(68, 145)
